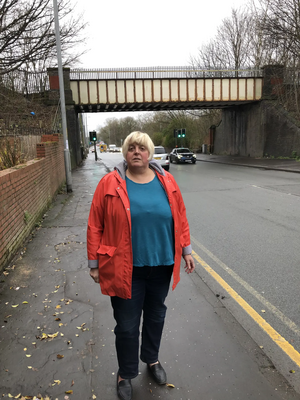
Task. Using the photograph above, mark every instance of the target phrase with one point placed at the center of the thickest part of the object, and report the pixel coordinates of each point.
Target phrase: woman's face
(137, 156)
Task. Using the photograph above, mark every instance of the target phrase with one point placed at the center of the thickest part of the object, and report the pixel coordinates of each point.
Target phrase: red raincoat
(109, 233)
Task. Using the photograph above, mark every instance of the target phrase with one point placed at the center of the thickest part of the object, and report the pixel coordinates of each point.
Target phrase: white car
(162, 157)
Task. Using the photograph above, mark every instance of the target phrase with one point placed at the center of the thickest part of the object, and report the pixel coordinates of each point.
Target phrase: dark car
(181, 154)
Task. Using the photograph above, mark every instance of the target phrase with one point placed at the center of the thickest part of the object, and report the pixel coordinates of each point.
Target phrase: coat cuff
(93, 263)
(187, 250)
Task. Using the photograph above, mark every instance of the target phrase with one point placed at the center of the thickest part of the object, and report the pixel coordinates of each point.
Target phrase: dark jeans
(150, 286)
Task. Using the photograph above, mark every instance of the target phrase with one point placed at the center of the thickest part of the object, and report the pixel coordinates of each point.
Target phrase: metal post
(62, 100)
(96, 158)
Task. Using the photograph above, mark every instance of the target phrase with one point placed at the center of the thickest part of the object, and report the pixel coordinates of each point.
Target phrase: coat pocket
(106, 250)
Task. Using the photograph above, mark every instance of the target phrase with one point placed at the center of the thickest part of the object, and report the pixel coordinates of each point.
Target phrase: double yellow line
(274, 335)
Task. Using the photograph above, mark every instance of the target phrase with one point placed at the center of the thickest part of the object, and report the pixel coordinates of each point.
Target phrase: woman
(137, 233)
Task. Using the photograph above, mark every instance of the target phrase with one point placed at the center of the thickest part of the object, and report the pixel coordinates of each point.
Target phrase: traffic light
(175, 133)
(183, 132)
(93, 136)
(178, 132)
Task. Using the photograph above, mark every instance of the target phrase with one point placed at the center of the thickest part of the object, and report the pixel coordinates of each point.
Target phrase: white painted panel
(129, 91)
(148, 90)
(165, 90)
(156, 90)
(258, 88)
(93, 92)
(120, 92)
(208, 90)
(225, 89)
(102, 92)
(111, 87)
(233, 89)
(183, 89)
(191, 89)
(242, 89)
(217, 89)
(250, 89)
(174, 90)
(83, 92)
(200, 89)
(74, 89)
(139, 91)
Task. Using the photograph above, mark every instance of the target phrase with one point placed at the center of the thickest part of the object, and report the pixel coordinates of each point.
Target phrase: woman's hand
(189, 263)
(94, 273)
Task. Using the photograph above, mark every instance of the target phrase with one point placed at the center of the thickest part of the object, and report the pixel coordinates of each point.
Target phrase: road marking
(274, 335)
(283, 318)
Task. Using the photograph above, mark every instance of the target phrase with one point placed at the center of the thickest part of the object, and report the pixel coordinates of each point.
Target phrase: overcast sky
(134, 33)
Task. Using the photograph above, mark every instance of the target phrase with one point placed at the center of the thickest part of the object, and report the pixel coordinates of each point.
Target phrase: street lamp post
(62, 101)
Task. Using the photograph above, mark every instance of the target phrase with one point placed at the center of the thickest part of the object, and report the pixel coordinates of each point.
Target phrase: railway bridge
(249, 125)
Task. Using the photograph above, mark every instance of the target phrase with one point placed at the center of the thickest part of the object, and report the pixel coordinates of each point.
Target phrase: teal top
(152, 224)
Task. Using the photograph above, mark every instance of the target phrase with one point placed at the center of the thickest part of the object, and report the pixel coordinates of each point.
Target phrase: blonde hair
(140, 138)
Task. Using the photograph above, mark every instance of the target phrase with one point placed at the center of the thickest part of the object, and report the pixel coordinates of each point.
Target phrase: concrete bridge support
(259, 129)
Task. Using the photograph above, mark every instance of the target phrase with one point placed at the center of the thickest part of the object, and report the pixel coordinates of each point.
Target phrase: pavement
(287, 165)
(56, 335)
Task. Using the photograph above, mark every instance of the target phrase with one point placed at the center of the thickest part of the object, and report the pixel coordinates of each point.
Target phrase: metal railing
(24, 82)
(159, 73)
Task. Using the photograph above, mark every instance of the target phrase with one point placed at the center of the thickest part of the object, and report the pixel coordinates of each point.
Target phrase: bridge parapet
(160, 73)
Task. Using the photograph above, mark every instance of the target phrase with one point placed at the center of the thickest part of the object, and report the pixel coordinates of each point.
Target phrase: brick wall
(26, 192)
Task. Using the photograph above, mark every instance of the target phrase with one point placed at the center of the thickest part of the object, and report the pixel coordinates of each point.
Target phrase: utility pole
(62, 100)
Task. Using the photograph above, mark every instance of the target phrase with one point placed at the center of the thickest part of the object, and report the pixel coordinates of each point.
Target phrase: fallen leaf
(29, 367)
(94, 397)
(25, 348)
(54, 335)
(57, 319)
(69, 391)
(18, 396)
(15, 305)
(8, 316)
(72, 384)
(57, 381)
(10, 395)
(59, 356)
(263, 311)
(25, 302)
(5, 273)
(292, 371)
(170, 385)
(58, 306)
(60, 324)
(28, 355)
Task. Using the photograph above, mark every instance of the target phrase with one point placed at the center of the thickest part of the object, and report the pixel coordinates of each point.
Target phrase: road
(245, 227)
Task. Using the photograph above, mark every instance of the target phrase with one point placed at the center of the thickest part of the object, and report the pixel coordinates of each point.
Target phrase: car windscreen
(183, 151)
(159, 150)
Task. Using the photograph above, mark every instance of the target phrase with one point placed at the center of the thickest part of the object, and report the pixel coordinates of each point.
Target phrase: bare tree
(281, 26)
(27, 33)
(229, 48)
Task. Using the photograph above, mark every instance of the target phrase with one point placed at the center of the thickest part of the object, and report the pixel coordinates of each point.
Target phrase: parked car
(162, 157)
(180, 154)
